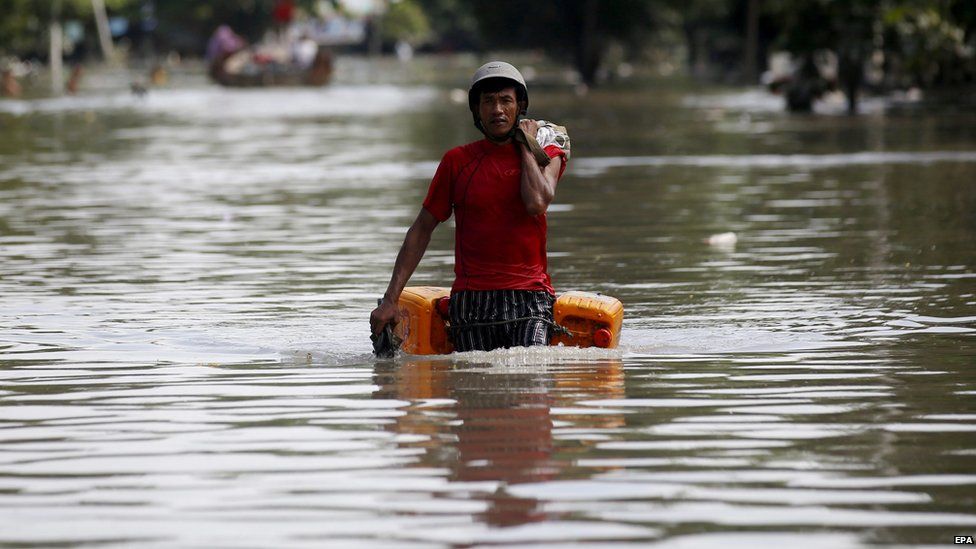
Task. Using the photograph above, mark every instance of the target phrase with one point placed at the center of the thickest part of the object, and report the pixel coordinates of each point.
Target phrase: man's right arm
(412, 250)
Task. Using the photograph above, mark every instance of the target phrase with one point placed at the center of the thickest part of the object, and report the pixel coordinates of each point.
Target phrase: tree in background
(406, 21)
(577, 31)
(922, 43)
(19, 26)
(453, 24)
(707, 32)
(184, 25)
(806, 28)
(925, 43)
(931, 43)
(24, 23)
(718, 37)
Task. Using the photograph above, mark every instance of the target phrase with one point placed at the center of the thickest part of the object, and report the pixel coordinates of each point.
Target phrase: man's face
(497, 111)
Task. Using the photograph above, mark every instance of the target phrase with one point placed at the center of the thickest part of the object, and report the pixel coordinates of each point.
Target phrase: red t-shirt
(497, 244)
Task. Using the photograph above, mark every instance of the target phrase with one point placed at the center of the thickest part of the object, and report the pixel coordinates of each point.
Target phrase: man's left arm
(538, 184)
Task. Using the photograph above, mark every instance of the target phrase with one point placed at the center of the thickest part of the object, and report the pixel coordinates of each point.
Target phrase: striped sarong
(482, 320)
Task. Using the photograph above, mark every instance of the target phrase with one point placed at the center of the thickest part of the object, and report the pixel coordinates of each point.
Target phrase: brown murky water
(184, 361)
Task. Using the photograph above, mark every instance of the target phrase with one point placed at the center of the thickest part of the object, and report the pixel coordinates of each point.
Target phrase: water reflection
(486, 424)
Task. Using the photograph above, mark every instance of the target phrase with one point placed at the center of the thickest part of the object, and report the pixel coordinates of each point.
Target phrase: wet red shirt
(497, 244)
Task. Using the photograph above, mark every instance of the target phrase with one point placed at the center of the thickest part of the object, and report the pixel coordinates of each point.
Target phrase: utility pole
(104, 37)
(57, 48)
(375, 45)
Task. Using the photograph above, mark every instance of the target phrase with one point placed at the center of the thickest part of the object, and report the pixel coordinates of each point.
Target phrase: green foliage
(923, 41)
(406, 21)
(24, 23)
(554, 26)
(930, 46)
(453, 23)
(805, 26)
(572, 30)
(927, 42)
(185, 25)
(19, 25)
(250, 18)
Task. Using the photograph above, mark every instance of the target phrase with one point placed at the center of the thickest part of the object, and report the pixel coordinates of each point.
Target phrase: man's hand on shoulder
(529, 126)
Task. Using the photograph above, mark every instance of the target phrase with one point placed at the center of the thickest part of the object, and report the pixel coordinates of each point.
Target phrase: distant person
(9, 86)
(74, 79)
(281, 16)
(303, 51)
(223, 42)
(498, 191)
(321, 70)
(158, 75)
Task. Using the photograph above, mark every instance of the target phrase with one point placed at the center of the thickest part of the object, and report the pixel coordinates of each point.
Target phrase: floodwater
(185, 281)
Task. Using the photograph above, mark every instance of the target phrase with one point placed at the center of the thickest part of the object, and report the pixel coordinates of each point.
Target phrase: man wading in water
(498, 189)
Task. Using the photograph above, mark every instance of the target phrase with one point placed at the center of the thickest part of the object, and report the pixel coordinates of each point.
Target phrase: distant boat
(245, 69)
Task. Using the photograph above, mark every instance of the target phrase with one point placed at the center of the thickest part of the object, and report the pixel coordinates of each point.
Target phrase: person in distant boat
(498, 189)
(223, 43)
(303, 51)
(281, 15)
(321, 70)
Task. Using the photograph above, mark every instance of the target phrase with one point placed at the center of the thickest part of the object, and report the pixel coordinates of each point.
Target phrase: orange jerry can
(593, 320)
(420, 323)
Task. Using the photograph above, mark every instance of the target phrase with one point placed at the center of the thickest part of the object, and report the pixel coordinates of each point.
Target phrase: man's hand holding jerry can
(385, 313)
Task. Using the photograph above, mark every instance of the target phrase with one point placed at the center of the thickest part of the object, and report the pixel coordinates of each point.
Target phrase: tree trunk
(696, 39)
(750, 62)
(850, 72)
(689, 32)
(104, 37)
(589, 46)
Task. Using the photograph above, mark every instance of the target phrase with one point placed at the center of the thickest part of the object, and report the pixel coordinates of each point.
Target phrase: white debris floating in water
(722, 240)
